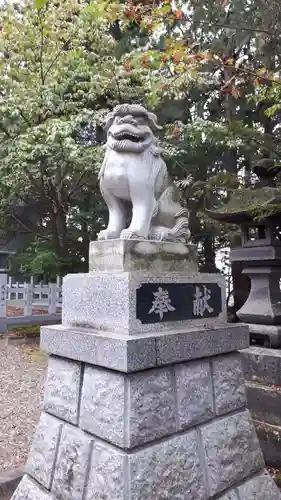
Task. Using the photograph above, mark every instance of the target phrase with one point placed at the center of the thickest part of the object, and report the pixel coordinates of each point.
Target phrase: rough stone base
(259, 487)
(9, 480)
(262, 369)
(176, 432)
(270, 440)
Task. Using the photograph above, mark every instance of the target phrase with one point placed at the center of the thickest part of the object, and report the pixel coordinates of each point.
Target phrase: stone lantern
(257, 211)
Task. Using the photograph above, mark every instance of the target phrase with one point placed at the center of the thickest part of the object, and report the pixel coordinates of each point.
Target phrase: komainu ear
(108, 121)
(152, 120)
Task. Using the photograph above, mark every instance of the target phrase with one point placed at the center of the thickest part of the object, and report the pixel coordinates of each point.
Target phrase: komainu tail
(170, 220)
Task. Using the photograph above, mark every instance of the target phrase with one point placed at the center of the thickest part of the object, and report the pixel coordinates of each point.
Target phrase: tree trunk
(86, 243)
(209, 254)
(59, 234)
(62, 232)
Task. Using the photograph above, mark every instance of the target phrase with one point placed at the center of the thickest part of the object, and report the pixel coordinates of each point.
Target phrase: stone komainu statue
(134, 181)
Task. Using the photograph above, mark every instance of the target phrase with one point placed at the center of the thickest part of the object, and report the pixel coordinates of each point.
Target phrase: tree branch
(34, 207)
(24, 117)
(33, 182)
(42, 76)
(29, 230)
(3, 128)
(56, 57)
(118, 89)
(77, 186)
(237, 28)
(265, 146)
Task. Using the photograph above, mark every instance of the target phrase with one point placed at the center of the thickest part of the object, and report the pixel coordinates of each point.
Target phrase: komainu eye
(141, 120)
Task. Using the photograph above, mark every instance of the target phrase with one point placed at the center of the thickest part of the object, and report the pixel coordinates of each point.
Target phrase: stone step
(270, 439)
(264, 402)
(262, 365)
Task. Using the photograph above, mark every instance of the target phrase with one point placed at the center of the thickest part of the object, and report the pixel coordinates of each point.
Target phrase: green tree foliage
(209, 69)
(56, 85)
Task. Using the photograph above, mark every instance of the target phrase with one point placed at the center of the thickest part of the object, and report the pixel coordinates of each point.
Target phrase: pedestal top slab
(142, 255)
(140, 352)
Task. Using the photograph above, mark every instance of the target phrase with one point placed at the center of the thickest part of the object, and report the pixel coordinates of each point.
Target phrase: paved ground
(22, 373)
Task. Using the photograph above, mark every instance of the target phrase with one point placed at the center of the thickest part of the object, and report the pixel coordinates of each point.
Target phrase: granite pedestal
(262, 371)
(146, 404)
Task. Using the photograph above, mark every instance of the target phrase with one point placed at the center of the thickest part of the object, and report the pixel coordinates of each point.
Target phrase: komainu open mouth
(128, 137)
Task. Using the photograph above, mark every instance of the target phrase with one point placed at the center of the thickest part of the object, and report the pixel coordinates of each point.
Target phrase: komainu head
(130, 128)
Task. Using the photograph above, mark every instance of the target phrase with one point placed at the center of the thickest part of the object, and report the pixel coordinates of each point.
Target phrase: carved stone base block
(177, 431)
(139, 286)
(132, 303)
(140, 255)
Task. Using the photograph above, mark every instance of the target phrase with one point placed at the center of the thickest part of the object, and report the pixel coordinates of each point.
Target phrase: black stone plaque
(161, 302)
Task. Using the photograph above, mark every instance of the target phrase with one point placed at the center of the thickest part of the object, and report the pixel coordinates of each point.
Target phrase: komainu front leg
(117, 216)
(143, 204)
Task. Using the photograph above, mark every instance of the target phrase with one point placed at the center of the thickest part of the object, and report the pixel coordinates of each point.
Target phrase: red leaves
(129, 12)
(145, 60)
(199, 57)
(127, 67)
(176, 57)
(132, 12)
(179, 14)
(177, 131)
(149, 3)
(149, 27)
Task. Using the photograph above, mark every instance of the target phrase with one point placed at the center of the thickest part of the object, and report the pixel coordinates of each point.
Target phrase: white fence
(29, 296)
(29, 293)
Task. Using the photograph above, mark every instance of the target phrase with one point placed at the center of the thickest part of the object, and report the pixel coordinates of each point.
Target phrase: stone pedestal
(149, 403)
(262, 371)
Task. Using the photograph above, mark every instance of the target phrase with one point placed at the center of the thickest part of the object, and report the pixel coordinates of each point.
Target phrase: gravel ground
(22, 373)
(18, 311)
